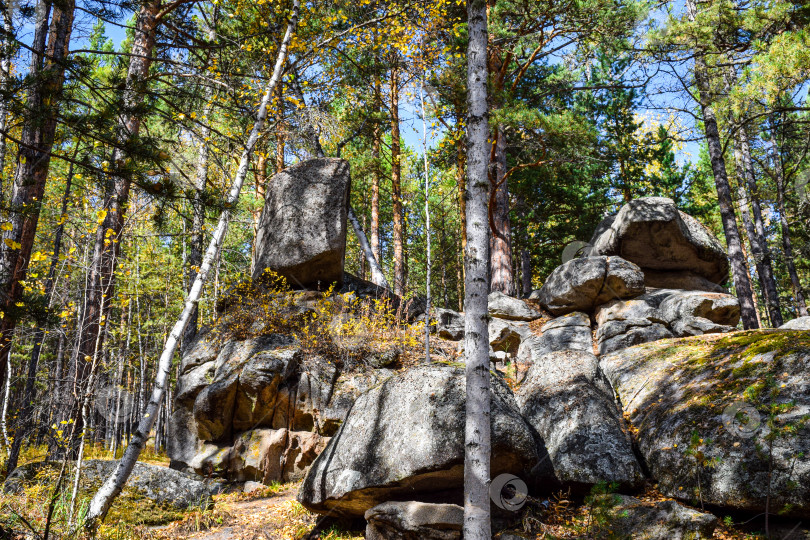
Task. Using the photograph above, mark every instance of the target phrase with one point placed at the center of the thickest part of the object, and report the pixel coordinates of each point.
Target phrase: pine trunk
(502, 276)
(33, 160)
(762, 254)
(6, 52)
(29, 394)
(742, 282)
(109, 234)
(375, 184)
(396, 190)
(787, 245)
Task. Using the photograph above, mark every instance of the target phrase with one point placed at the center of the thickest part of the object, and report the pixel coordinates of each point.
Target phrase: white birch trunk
(427, 222)
(477, 447)
(106, 494)
(377, 276)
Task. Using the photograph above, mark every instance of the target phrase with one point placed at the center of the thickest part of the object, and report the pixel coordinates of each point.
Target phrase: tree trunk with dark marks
(477, 444)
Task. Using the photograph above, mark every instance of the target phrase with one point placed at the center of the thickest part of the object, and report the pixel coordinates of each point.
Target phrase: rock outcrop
(302, 229)
(405, 438)
(700, 409)
(620, 384)
(259, 395)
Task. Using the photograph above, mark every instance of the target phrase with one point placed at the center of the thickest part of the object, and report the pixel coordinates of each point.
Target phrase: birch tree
(477, 445)
(107, 493)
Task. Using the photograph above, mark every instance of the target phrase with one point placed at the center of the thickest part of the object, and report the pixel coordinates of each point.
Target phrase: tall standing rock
(302, 230)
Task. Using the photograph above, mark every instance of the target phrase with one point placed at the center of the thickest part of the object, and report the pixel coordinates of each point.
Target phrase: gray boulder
(624, 323)
(405, 438)
(664, 313)
(302, 229)
(655, 235)
(449, 324)
(507, 307)
(800, 323)
(641, 307)
(584, 283)
(699, 409)
(628, 517)
(698, 326)
(569, 402)
(159, 484)
(413, 520)
(616, 335)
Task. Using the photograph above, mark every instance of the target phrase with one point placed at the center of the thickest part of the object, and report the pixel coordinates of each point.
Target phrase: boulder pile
(623, 369)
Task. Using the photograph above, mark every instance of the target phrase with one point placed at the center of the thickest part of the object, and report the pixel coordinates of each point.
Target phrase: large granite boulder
(700, 407)
(617, 335)
(414, 520)
(405, 439)
(506, 335)
(800, 323)
(449, 324)
(719, 308)
(302, 229)
(584, 283)
(569, 402)
(652, 233)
